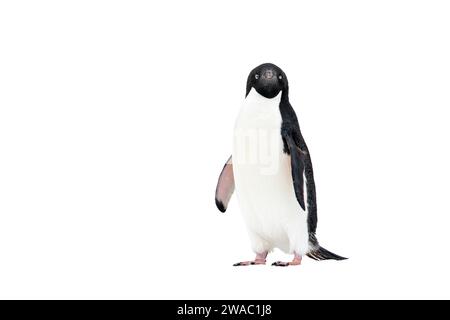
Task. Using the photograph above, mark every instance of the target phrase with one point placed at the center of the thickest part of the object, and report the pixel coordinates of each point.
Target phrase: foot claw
(280, 264)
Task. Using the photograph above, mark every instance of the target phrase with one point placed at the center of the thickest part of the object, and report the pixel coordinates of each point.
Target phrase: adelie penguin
(270, 167)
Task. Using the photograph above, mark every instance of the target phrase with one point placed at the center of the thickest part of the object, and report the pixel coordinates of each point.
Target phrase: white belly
(262, 174)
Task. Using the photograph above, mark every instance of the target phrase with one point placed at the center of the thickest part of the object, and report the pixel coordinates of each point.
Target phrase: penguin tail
(323, 254)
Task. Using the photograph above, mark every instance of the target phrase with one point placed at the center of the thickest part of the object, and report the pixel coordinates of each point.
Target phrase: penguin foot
(296, 262)
(260, 259)
(250, 263)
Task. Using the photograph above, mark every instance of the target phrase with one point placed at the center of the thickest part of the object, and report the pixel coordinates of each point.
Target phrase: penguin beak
(268, 74)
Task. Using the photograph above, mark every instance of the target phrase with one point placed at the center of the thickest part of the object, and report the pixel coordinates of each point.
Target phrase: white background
(116, 118)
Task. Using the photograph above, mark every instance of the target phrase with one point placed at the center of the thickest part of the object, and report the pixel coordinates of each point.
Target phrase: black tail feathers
(323, 254)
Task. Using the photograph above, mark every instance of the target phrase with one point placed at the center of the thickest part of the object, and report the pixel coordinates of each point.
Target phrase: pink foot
(249, 263)
(260, 259)
(296, 262)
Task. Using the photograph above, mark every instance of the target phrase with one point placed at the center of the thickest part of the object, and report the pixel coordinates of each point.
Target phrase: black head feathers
(268, 80)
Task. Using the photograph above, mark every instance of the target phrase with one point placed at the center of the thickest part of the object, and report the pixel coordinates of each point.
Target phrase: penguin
(269, 168)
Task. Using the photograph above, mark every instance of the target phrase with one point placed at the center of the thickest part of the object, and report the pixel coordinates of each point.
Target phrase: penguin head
(268, 80)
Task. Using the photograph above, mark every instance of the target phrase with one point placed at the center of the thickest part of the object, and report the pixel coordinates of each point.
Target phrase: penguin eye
(280, 77)
(256, 76)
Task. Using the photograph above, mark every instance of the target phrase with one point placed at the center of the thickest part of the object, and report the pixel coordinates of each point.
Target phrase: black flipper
(297, 168)
(225, 186)
(290, 131)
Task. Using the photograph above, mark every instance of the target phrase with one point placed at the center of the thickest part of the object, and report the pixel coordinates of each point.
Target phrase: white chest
(257, 135)
(261, 169)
